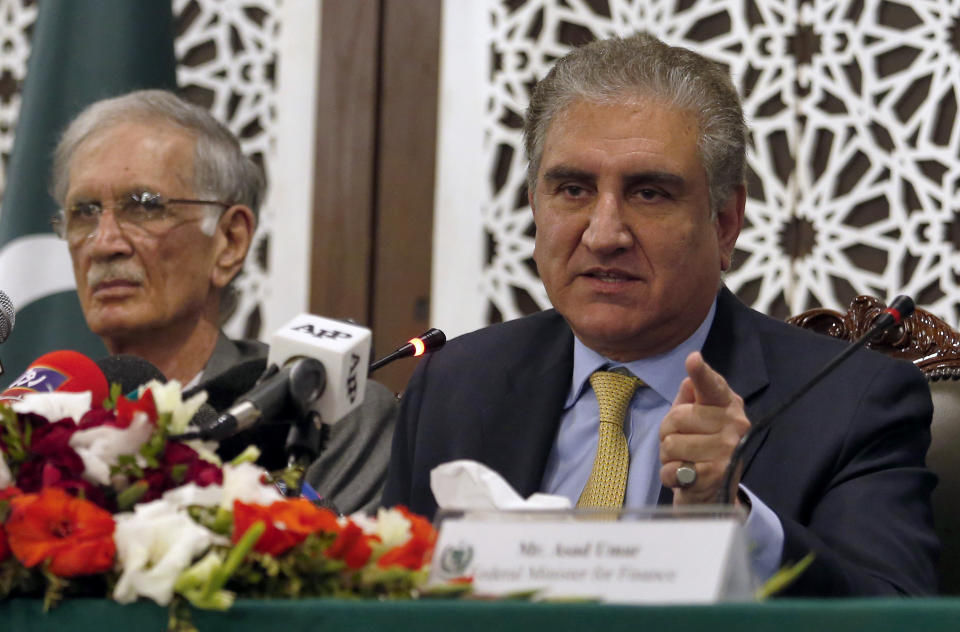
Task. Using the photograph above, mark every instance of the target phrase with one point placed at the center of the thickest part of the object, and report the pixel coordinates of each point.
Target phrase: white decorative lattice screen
(227, 60)
(228, 53)
(855, 155)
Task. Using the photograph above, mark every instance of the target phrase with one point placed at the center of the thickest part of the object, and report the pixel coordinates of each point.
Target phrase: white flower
(168, 398)
(192, 494)
(100, 446)
(6, 476)
(154, 545)
(392, 527)
(54, 406)
(367, 524)
(206, 450)
(240, 482)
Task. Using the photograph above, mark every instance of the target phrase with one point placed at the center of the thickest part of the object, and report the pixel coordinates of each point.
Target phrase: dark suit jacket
(843, 468)
(353, 463)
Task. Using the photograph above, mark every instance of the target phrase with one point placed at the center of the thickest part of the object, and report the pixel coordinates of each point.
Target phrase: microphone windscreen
(60, 371)
(224, 388)
(8, 315)
(205, 416)
(129, 371)
(433, 339)
(903, 306)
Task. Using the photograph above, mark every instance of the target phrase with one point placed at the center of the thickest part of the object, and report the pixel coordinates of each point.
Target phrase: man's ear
(232, 242)
(729, 223)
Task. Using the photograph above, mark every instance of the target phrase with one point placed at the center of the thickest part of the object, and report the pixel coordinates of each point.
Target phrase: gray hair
(615, 70)
(221, 170)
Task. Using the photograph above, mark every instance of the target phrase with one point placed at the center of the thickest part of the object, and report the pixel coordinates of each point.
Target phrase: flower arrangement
(98, 500)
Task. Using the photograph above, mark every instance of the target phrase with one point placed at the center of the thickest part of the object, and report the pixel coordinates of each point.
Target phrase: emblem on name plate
(455, 559)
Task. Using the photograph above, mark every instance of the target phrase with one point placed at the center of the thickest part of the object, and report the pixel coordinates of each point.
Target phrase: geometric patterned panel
(854, 184)
(16, 22)
(227, 57)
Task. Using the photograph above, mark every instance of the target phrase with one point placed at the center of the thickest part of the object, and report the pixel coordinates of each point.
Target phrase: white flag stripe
(35, 266)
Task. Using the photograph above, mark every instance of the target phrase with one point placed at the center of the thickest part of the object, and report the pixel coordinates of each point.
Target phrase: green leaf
(12, 437)
(250, 454)
(178, 472)
(54, 590)
(110, 403)
(131, 495)
(447, 590)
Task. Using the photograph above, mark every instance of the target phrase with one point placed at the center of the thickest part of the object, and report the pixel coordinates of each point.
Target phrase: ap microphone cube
(342, 348)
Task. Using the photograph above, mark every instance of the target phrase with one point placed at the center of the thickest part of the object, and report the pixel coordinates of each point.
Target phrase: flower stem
(234, 558)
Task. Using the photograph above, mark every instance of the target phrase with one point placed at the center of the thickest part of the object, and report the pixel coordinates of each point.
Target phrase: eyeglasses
(148, 211)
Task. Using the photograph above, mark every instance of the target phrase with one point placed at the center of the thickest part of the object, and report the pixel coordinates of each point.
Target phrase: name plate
(664, 560)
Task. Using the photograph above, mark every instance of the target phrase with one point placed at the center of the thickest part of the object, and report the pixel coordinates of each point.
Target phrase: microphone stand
(900, 308)
(307, 436)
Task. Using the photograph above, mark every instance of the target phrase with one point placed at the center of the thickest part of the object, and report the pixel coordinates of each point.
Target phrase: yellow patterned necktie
(608, 479)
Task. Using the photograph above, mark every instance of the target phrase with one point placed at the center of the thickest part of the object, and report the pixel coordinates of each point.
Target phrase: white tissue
(466, 484)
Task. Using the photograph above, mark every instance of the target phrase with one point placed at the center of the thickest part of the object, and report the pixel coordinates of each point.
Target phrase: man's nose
(108, 237)
(607, 231)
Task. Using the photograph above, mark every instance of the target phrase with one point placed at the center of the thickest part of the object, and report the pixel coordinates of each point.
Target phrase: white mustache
(107, 272)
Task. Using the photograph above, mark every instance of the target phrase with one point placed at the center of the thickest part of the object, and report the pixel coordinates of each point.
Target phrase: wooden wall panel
(410, 56)
(343, 222)
(376, 139)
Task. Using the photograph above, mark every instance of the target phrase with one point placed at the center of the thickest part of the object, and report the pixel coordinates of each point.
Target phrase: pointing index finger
(709, 387)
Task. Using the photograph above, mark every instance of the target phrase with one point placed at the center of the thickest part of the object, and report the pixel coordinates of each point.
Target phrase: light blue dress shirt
(575, 447)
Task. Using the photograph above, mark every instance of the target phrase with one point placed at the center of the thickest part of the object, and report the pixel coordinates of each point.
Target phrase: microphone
(64, 371)
(314, 367)
(299, 383)
(8, 316)
(129, 371)
(901, 307)
(429, 340)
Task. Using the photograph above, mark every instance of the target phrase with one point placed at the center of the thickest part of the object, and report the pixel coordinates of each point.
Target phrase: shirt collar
(662, 373)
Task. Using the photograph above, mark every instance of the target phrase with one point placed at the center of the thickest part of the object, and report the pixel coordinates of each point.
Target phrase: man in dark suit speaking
(641, 382)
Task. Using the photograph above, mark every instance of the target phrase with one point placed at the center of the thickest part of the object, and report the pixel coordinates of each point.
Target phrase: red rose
(52, 438)
(198, 471)
(52, 461)
(96, 417)
(180, 465)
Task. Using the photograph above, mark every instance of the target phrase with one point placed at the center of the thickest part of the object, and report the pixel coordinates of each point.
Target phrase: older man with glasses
(159, 207)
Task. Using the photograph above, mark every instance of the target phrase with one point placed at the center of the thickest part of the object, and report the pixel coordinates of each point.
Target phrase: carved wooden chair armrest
(922, 338)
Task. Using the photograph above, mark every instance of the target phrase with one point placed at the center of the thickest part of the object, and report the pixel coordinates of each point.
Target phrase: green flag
(81, 52)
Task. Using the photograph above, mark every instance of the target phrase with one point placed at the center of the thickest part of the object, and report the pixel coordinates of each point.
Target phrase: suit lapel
(520, 426)
(733, 348)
